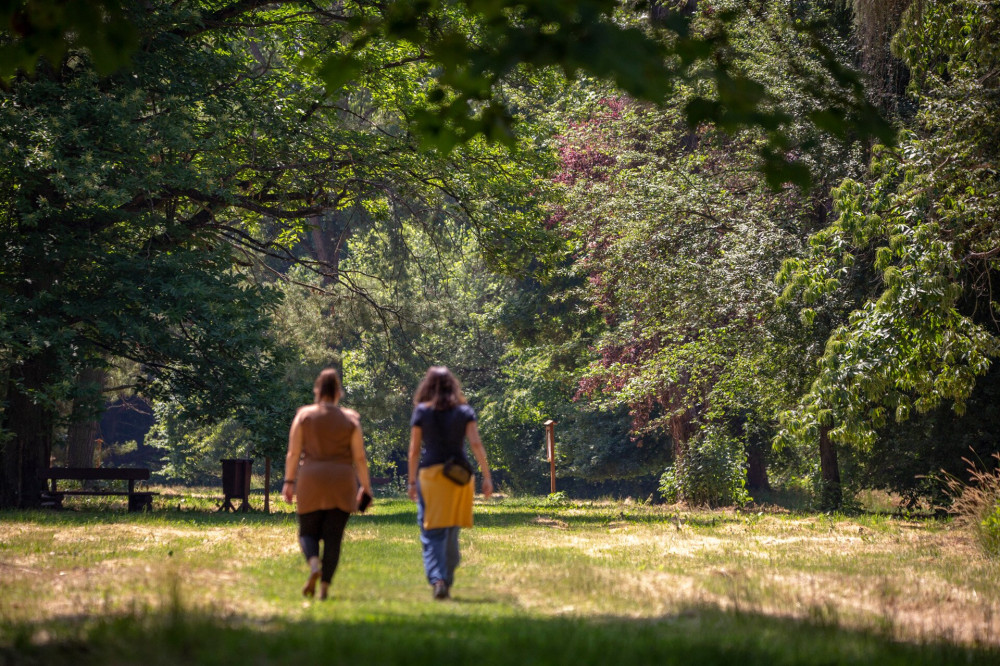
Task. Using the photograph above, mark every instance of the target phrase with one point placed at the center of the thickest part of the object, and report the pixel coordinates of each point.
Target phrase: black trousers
(326, 525)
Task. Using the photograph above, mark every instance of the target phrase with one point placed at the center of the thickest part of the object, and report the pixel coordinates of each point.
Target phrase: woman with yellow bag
(440, 476)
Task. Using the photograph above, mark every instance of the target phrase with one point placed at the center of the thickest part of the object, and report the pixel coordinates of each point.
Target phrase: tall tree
(679, 236)
(919, 237)
(140, 209)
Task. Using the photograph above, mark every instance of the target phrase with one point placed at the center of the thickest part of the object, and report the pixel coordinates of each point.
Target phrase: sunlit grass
(618, 568)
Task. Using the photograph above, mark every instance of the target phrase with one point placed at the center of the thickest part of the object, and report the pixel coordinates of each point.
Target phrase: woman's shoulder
(420, 410)
(351, 415)
(465, 410)
(304, 412)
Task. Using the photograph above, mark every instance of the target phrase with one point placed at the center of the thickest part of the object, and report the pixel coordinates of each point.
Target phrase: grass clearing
(539, 583)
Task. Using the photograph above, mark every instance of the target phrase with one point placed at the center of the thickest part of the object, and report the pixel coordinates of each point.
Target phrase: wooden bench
(137, 500)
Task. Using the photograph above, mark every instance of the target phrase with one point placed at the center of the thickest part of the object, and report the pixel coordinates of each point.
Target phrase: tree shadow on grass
(382, 514)
(443, 634)
(394, 514)
(397, 512)
(82, 517)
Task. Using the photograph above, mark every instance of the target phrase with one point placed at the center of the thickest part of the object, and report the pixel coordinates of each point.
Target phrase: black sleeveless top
(443, 432)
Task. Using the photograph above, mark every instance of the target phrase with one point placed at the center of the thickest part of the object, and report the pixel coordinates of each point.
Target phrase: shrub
(990, 531)
(713, 472)
(976, 504)
(558, 497)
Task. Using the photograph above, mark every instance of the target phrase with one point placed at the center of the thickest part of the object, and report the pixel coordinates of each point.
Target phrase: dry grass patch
(120, 567)
(911, 579)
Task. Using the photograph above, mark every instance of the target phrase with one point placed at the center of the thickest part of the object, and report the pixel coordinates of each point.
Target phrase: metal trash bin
(236, 483)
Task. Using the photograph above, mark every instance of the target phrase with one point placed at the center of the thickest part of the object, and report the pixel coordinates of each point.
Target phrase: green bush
(713, 472)
(989, 532)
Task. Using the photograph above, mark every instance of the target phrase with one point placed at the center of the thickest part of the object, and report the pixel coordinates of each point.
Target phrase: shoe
(310, 588)
(440, 589)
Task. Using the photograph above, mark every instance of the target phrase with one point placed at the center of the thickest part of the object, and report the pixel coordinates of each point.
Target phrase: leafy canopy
(475, 46)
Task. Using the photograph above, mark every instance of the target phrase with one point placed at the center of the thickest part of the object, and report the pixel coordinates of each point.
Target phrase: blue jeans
(440, 547)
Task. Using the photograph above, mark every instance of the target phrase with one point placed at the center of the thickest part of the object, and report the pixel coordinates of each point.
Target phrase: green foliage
(145, 212)
(923, 332)
(989, 530)
(674, 238)
(191, 453)
(712, 472)
(592, 444)
(473, 48)
(478, 46)
(432, 301)
(679, 265)
(557, 498)
(910, 456)
(309, 320)
(131, 204)
(46, 30)
(384, 186)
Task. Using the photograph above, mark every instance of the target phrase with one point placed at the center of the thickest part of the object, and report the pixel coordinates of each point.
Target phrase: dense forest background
(730, 247)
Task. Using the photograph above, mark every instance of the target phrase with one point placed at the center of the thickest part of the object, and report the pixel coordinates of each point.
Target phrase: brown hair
(440, 388)
(328, 384)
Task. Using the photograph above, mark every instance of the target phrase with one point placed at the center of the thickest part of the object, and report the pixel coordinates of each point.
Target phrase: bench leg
(52, 500)
(139, 502)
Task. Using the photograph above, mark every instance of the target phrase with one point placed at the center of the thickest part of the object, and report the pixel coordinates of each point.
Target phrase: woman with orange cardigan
(325, 461)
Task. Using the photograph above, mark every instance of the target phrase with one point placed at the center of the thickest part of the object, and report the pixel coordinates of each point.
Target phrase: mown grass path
(584, 583)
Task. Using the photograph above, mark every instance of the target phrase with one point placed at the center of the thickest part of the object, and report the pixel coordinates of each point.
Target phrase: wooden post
(267, 484)
(550, 450)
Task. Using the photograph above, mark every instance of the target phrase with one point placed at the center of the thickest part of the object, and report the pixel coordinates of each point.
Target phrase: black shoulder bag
(458, 470)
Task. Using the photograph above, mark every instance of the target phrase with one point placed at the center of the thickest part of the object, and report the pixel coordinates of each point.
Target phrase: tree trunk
(830, 492)
(680, 432)
(329, 233)
(660, 11)
(319, 240)
(81, 438)
(25, 456)
(876, 23)
(81, 444)
(757, 468)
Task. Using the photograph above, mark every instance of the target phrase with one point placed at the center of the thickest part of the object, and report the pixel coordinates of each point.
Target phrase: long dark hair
(440, 388)
(328, 385)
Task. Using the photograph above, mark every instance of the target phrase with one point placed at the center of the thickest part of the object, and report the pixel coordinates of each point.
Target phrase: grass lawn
(540, 583)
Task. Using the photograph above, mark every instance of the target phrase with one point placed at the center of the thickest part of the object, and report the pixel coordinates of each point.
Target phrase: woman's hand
(479, 451)
(411, 491)
(287, 491)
